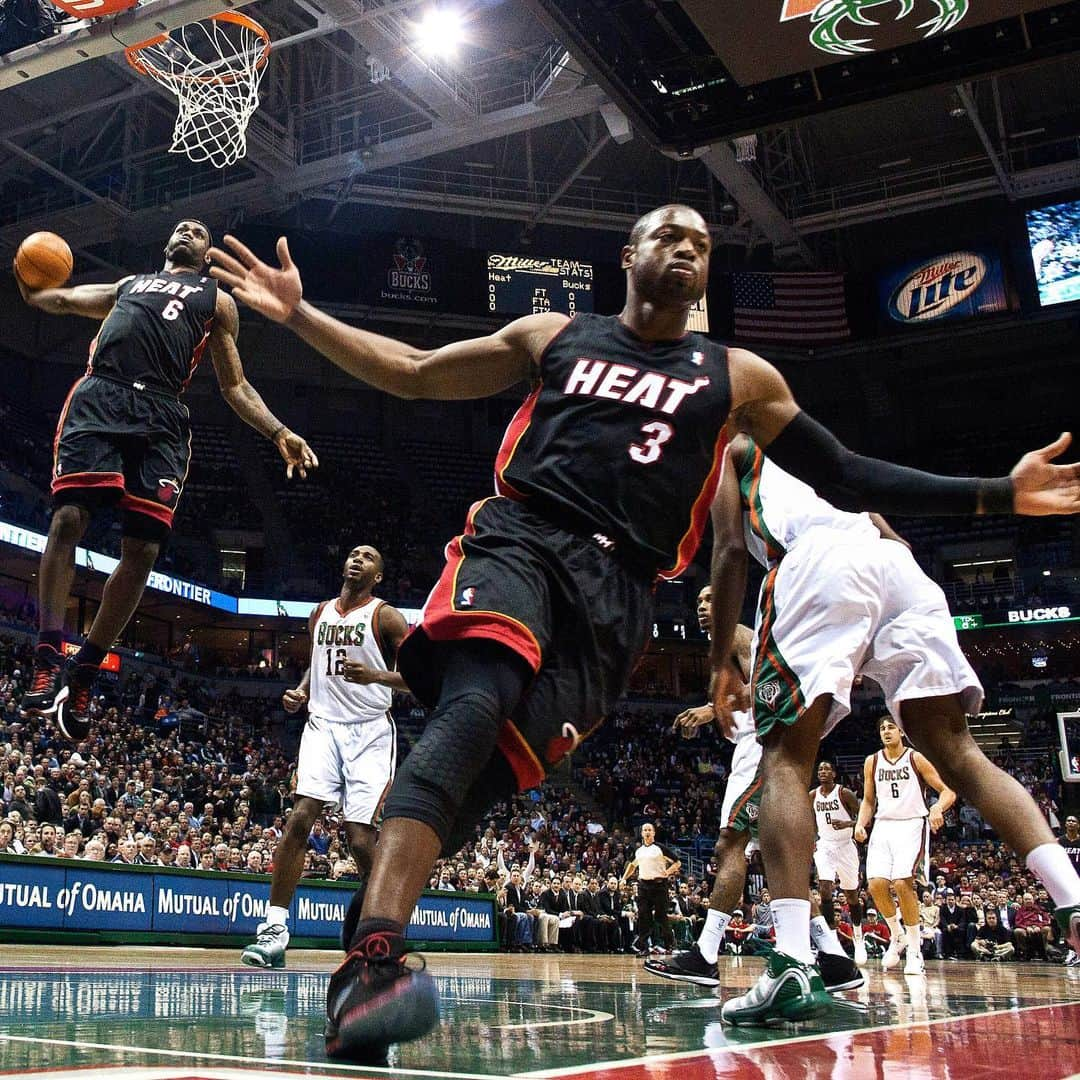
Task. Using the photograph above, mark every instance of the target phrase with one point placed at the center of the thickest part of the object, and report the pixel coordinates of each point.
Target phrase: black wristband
(277, 431)
(996, 496)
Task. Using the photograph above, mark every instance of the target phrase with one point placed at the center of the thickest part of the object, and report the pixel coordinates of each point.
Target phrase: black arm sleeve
(850, 481)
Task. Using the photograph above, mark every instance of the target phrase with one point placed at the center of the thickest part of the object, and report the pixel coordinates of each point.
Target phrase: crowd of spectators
(178, 772)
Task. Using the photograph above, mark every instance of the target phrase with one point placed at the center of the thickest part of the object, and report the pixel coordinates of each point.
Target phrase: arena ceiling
(535, 122)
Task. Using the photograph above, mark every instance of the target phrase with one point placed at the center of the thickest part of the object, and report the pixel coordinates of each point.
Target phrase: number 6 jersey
(339, 636)
(622, 440)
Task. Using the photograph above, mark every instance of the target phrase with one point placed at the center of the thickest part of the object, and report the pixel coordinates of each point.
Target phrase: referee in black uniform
(124, 441)
(654, 866)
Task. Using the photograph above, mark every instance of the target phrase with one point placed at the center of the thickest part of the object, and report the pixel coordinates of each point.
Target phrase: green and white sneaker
(1068, 918)
(787, 990)
(268, 948)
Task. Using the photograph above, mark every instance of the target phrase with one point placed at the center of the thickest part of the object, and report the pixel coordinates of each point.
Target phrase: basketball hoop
(746, 148)
(213, 68)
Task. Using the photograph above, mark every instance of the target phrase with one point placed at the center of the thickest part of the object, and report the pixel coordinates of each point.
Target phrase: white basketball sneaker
(893, 953)
(914, 964)
(860, 953)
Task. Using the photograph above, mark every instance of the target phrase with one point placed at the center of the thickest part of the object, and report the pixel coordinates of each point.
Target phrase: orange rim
(238, 18)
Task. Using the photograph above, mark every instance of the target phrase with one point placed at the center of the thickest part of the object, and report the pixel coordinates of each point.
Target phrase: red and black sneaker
(73, 700)
(40, 699)
(374, 1000)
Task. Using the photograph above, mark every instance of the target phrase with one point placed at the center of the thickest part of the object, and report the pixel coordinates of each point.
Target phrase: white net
(746, 148)
(214, 69)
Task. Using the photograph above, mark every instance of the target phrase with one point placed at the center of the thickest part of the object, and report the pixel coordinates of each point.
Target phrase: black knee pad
(482, 685)
(458, 742)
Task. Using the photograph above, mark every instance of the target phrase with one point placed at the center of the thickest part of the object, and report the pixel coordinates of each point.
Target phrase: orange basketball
(43, 261)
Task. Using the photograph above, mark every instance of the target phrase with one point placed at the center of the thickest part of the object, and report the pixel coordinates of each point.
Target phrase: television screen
(1054, 237)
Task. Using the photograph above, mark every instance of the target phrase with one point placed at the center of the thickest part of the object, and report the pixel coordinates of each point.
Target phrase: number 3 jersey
(623, 440)
(155, 335)
(339, 636)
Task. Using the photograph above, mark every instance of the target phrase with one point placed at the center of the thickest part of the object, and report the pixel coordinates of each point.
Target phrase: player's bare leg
(272, 934)
(791, 987)
(123, 591)
(120, 598)
(902, 920)
(937, 727)
(362, 839)
(698, 964)
(56, 573)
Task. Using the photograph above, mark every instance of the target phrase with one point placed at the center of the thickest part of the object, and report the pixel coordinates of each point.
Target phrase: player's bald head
(673, 211)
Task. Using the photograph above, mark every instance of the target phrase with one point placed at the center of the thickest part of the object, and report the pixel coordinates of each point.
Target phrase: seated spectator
(929, 926)
(875, 933)
(1032, 929)
(738, 933)
(992, 940)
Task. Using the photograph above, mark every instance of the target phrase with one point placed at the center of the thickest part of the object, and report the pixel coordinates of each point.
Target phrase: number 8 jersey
(623, 439)
(339, 636)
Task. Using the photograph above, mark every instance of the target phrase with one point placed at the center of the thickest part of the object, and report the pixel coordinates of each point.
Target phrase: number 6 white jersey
(898, 787)
(339, 636)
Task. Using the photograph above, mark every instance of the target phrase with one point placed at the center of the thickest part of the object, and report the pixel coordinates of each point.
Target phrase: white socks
(857, 931)
(792, 920)
(712, 935)
(1050, 864)
(914, 940)
(824, 937)
(277, 916)
(896, 928)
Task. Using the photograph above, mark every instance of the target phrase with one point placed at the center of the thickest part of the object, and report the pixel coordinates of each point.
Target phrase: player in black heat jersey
(123, 440)
(603, 483)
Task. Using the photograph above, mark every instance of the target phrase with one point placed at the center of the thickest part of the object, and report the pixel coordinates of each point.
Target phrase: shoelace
(43, 679)
(80, 700)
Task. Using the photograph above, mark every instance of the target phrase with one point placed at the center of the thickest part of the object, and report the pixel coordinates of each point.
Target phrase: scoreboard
(525, 285)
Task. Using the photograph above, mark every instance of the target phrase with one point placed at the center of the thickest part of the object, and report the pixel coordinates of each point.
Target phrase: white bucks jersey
(743, 727)
(899, 787)
(778, 509)
(339, 636)
(829, 809)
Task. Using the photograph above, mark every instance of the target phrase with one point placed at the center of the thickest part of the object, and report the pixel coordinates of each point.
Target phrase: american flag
(795, 308)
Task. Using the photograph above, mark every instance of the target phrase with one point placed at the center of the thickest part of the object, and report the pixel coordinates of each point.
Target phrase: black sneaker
(375, 1000)
(839, 972)
(40, 699)
(689, 966)
(73, 700)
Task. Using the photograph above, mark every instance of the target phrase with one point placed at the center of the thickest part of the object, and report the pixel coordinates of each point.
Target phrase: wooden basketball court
(166, 1014)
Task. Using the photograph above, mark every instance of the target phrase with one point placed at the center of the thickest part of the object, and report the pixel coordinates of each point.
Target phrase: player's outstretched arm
(465, 369)
(244, 399)
(866, 807)
(91, 301)
(763, 407)
(728, 578)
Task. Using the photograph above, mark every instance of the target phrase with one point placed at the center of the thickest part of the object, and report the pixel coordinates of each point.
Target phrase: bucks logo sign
(836, 24)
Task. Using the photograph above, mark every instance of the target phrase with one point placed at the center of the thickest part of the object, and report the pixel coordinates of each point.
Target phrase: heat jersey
(155, 336)
(899, 787)
(780, 509)
(339, 636)
(622, 440)
(828, 809)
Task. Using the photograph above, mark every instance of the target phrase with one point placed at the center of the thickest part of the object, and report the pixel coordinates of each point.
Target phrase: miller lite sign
(955, 285)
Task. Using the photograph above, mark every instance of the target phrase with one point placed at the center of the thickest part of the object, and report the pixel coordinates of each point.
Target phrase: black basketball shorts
(116, 445)
(577, 616)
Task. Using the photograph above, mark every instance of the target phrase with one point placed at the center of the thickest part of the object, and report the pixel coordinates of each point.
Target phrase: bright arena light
(440, 32)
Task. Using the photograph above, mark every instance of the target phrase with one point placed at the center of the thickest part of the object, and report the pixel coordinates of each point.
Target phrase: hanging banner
(955, 285)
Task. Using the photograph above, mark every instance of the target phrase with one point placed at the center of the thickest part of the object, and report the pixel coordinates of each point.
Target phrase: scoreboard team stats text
(523, 285)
